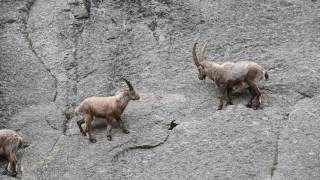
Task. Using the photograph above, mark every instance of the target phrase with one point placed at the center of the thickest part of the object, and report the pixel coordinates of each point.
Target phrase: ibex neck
(123, 101)
(213, 70)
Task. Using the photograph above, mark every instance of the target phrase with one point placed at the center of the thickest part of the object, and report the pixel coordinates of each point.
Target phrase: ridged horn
(194, 55)
(203, 50)
(128, 83)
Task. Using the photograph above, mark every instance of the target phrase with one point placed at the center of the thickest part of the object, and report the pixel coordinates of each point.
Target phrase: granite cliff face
(55, 53)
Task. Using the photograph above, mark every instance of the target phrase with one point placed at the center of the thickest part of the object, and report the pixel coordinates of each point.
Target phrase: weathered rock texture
(79, 8)
(55, 53)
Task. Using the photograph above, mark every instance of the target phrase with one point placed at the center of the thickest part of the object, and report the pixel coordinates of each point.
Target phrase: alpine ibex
(228, 76)
(105, 107)
(10, 141)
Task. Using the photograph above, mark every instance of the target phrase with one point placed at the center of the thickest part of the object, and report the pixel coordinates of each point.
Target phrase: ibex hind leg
(229, 93)
(255, 89)
(253, 95)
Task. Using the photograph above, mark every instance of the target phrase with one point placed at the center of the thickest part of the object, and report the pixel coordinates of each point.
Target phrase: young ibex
(105, 107)
(10, 141)
(228, 76)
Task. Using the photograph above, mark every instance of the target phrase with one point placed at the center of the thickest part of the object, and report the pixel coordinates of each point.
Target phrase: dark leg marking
(122, 126)
(229, 93)
(79, 123)
(222, 89)
(109, 127)
(257, 92)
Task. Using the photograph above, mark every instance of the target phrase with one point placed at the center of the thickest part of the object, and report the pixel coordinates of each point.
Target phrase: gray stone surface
(79, 8)
(299, 144)
(52, 58)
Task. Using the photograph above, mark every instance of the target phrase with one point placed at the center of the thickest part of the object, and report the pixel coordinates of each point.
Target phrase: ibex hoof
(229, 103)
(109, 137)
(219, 107)
(126, 131)
(255, 107)
(249, 105)
(13, 174)
(92, 140)
(5, 172)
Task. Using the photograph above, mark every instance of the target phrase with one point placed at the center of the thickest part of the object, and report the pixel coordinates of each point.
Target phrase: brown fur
(10, 141)
(229, 76)
(104, 107)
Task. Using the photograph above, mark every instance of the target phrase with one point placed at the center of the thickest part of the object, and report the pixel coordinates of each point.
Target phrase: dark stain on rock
(153, 25)
(173, 125)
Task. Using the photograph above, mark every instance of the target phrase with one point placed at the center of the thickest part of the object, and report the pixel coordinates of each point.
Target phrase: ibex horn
(194, 55)
(128, 83)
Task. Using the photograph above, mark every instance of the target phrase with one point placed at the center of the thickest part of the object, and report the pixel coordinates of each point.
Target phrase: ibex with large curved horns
(105, 107)
(228, 76)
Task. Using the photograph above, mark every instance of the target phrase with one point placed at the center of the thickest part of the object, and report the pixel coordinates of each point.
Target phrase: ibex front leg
(79, 123)
(222, 89)
(109, 127)
(88, 121)
(256, 91)
(12, 161)
(121, 124)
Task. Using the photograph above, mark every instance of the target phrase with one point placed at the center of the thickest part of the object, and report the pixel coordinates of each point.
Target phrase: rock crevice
(136, 147)
(26, 34)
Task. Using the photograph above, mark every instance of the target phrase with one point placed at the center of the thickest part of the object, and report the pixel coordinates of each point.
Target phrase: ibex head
(132, 93)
